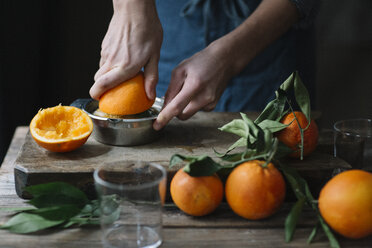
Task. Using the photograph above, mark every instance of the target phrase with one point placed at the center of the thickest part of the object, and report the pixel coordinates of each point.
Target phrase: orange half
(61, 128)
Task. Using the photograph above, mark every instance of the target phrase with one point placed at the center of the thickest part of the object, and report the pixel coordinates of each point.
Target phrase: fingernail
(158, 122)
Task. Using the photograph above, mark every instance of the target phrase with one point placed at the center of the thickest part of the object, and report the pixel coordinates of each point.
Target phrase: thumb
(151, 77)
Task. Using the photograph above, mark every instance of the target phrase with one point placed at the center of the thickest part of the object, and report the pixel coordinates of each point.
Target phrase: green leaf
(267, 113)
(332, 239)
(89, 215)
(203, 166)
(301, 190)
(237, 127)
(274, 110)
(282, 151)
(272, 126)
(260, 145)
(91, 209)
(27, 223)
(288, 83)
(307, 192)
(237, 156)
(292, 219)
(176, 159)
(62, 212)
(293, 178)
(110, 208)
(302, 96)
(313, 233)
(242, 142)
(282, 99)
(253, 128)
(56, 193)
(16, 209)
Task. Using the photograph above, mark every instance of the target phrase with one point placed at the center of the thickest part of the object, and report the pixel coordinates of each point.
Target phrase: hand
(133, 41)
(196, 84)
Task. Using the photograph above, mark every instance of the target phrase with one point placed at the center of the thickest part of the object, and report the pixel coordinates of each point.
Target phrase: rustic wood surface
(220, 229)
(197, 136)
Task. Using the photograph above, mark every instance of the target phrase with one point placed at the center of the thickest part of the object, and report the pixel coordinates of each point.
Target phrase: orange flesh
(61, 123)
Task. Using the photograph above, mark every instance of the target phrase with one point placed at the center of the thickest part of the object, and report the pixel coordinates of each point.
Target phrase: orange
(61, 128)
(291, 135)
(162, 190)
(345, 203)
(196, 196)
(253, 191)
(128, 98)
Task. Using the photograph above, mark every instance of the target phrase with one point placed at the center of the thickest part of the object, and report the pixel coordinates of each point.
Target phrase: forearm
(132, 43)
(269, 21)
(133, 7)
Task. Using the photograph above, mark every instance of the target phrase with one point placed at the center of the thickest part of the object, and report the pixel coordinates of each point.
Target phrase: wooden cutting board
(197, 136)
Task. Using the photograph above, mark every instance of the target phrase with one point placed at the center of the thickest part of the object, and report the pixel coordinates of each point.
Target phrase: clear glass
(131, 195)
(353, 142)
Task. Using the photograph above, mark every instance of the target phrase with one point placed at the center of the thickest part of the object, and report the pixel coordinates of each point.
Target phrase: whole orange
(128, 98)
(254, 191)
(61, 128)
(196, 196)
(291, 135)
(345, 203)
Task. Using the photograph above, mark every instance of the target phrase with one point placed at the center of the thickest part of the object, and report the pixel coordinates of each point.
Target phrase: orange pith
(61, 128)
(255, 192)
(128, 98)
(291, 135)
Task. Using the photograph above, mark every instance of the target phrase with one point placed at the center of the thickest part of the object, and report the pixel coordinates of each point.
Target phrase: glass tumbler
(353, 142)
(131, 195)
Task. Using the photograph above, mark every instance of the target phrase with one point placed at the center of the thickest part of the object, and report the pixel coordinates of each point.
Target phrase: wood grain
(220, 229)
(196, 136)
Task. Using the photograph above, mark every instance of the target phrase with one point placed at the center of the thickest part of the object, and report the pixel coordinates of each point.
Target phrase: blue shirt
(189, 30)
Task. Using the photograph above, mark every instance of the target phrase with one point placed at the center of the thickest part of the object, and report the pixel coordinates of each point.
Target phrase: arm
(198, 82)
(132, 42)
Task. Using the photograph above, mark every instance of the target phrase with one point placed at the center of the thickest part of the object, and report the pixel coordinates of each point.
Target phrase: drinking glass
(353, 142)
(131, 195)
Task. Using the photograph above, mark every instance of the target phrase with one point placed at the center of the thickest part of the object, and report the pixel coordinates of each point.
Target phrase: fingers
(109, 80)
(174, 107)
(210, 107)
(175, 85)
(101, 61)
(102, 70)
(151, 77)
(204, 100)
(189, 111)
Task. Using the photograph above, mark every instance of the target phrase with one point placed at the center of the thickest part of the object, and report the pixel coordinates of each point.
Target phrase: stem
(271, 152)
(301, 130)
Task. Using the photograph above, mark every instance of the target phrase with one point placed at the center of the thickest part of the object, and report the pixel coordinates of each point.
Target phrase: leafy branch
(53, 204)
(257, 138)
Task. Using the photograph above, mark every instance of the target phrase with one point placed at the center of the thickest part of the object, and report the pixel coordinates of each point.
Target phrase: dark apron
(189, 26)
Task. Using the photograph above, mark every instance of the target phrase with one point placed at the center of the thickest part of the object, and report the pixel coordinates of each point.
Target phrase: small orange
(254, 191)
(61, 128)
(128, 98)
(291, 135)
(162, 190)
(196, 196)
(345, 203)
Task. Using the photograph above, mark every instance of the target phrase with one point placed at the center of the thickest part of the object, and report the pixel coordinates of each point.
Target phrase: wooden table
(220, 229)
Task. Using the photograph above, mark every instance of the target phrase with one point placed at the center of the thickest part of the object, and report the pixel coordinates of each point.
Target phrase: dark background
(50, 52)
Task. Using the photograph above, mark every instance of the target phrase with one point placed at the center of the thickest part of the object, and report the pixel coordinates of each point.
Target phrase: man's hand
(196, 84)
(132, 42)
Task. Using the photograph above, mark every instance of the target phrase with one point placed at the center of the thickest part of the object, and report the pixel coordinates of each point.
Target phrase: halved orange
(128, 98)
(61, 128)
